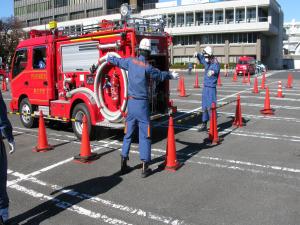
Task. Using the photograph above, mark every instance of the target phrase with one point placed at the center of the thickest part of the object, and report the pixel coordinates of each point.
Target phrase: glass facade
(234, 38)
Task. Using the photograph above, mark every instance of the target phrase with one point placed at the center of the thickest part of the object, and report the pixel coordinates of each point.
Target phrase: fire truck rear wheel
(78, 112)
(26, 107)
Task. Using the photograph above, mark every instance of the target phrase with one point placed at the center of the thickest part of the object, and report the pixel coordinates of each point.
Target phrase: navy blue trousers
(3, 176)
(209, 95)
(138, 115)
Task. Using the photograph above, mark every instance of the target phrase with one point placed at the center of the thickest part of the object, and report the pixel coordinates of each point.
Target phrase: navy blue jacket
(214, 66)
(5, 126)
(138, 72)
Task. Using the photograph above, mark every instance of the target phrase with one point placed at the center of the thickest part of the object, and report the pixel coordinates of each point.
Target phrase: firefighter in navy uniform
(138, 105)
(211, 74)
(6, 130)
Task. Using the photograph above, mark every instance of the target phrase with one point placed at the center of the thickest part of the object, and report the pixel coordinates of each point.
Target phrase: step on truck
(63, 73)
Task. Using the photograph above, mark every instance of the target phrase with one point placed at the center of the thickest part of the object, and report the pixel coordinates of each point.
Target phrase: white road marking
(243, 104)
(68, 206)
(108, 203)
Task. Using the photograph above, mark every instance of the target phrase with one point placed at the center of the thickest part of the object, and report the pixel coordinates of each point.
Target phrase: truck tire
(78, 112)
(26, 107)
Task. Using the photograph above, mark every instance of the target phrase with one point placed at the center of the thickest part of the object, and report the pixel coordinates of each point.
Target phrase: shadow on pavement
(63, 201)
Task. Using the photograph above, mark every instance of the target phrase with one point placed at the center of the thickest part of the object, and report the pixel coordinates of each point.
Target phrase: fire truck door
(20, 73)
(39, 78)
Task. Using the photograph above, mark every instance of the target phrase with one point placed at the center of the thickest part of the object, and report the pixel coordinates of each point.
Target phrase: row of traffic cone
(85, 156)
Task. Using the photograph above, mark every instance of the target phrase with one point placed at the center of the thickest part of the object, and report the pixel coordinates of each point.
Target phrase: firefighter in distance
(209, 93)
(138, 105)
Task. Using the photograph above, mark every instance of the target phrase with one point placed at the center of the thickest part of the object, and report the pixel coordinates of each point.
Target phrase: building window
(229, 16)
(94, 12)
(199, 18)
(61, 18)
(219, 17)
(208, 18)
(180, 20)
(263, 14)
(77, 15)
(251, 15)
(240, 15)
(32, 23)
(171, 20)
(46, 20)
(189, 19)
(60, 3)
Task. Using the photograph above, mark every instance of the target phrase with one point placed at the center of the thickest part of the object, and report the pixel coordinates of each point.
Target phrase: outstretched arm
(156, 74)
(119, 62)
(201, 59)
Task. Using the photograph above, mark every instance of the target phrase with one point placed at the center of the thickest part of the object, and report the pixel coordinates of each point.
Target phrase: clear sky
(291, 8)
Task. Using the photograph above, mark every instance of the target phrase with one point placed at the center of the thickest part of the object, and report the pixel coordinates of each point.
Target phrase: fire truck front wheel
(26, 109)
(78, 112)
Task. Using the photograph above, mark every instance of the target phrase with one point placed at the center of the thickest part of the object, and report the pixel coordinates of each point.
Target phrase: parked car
(245, 64)
(260, 68)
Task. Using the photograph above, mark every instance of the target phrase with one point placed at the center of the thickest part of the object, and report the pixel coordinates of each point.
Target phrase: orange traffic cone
(238, 120)
(179, 83)
(219, 81)
(279, 91)
(182, 88)
(171, 162)
(255, 86)
(234, 79)
(213, 127)
(289, 81)
(196, 84)
(42, 145)
(85, 156)
(267, 109)
(263, 82)
(244, 78)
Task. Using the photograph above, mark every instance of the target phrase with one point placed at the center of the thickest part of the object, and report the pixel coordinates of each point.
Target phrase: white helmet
(145, 44)
(208, 50)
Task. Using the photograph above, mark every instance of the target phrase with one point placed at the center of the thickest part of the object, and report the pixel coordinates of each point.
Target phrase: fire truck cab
(64, 74)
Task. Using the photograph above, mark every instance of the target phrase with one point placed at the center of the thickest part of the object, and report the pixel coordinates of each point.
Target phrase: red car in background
(245, 64)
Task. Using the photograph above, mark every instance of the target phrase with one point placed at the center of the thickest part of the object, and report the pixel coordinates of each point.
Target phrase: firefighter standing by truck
(209, 93)
(6, 130)
(138, 106)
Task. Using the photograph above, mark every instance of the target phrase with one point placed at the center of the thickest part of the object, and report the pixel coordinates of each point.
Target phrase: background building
(233, 28)
(291, 45)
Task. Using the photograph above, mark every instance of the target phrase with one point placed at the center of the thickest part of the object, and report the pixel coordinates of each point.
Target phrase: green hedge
(198, 66)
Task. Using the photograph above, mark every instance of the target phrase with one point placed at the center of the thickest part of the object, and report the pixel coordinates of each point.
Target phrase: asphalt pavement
(251, 177)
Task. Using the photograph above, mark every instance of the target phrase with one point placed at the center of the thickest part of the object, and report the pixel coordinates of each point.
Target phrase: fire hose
(111, 116)
(97, 95)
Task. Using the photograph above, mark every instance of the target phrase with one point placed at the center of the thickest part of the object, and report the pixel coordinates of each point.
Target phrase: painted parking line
(252, 116)
(243, 104)
(68, 206)
(107, 203)
(257, 134)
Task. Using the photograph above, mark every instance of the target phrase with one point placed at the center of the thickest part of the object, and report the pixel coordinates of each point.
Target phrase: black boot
(203, 127)
(124, 167)
(146, 171)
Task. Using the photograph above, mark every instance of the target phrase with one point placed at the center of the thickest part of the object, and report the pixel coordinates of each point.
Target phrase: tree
(10, 34)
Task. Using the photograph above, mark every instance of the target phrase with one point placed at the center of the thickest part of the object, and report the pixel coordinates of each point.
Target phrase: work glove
(108, 54)
(174, 75)
(12, 147)
(210, 73)
(195, 55)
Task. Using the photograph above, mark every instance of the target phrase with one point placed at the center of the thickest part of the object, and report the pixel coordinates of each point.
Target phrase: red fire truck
(65, 74)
